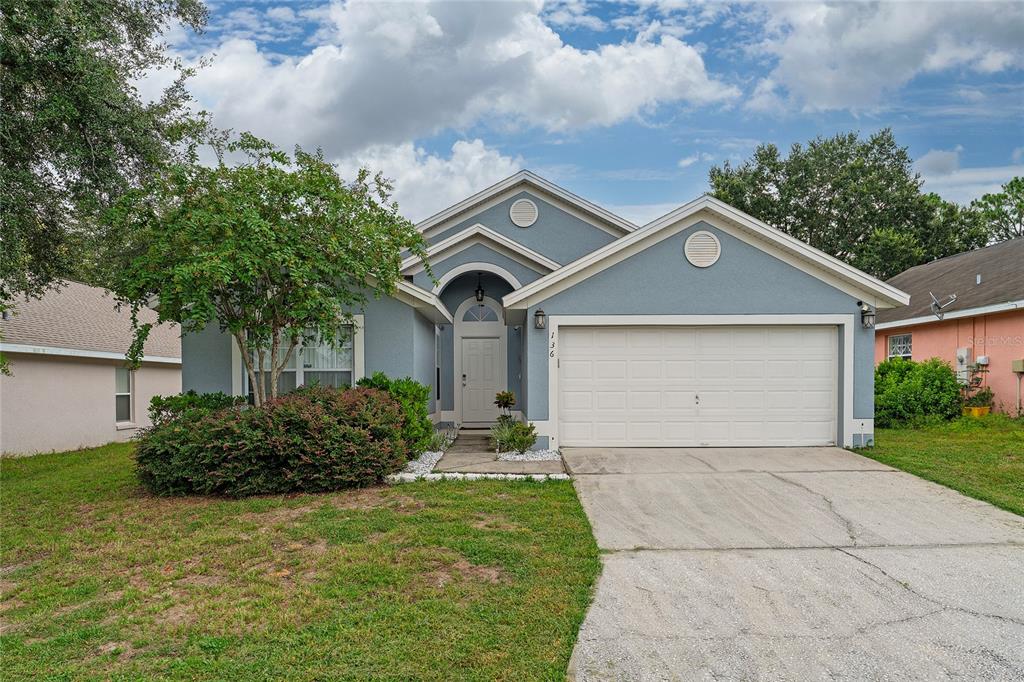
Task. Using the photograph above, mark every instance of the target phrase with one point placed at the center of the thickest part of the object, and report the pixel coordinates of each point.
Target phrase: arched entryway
(481, 366)
(478, 355)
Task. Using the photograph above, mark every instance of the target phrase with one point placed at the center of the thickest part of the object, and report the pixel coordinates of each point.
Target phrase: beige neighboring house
(71, 386)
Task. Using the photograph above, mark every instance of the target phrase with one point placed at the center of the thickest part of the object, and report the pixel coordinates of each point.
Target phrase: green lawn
(982, 458)
(468, 580)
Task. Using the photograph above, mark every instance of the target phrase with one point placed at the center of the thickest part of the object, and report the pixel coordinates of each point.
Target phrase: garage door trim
(845, 323)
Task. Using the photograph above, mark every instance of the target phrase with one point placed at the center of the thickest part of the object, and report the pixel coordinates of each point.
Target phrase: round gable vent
(523, 212)
(702, 249)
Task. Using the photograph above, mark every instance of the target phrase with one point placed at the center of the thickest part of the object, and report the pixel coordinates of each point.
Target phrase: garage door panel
(680, 369)
(645, 369)
(644, 400)
(639, 386)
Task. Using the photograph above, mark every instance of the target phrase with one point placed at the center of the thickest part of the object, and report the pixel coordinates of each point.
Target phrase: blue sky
(626, 104)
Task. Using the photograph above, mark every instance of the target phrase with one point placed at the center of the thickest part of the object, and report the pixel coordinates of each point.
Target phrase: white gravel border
(530, 456)
(452, 476)
(424, 464)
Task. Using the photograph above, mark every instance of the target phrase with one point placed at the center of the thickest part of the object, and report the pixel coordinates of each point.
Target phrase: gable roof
(481, 234)
(797, 253)
(82, 321)
(1001, 267)
(524, 179)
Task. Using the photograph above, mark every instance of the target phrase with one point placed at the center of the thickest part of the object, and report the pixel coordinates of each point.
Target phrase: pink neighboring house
(70, 386)
(985, 321)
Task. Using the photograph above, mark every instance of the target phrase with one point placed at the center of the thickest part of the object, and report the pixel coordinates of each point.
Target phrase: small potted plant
(977, 399)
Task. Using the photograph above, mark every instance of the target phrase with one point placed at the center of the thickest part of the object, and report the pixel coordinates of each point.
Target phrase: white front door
(480, 378)
(697, 386)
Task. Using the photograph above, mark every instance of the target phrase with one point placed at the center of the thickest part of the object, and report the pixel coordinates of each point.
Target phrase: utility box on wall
(963, 364)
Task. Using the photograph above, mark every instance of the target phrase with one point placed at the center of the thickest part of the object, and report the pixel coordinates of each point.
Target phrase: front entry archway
(481, 369)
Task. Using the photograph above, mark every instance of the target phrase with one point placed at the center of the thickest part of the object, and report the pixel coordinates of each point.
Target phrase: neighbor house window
(314, 362)
(122, 394)
(900, 346)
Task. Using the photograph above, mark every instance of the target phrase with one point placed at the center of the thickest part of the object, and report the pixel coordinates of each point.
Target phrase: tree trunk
(275, 344)
(243, 348)
(261, 387)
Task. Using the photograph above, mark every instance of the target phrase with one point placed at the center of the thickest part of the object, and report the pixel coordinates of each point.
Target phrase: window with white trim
(900, 346)
(122, 394)
(315, 361)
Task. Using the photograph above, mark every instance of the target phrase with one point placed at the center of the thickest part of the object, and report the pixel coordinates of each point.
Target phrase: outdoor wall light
(479, 289)
(540, 320)
(867, 315)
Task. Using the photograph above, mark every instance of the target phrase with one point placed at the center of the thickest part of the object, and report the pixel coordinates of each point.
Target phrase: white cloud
(572, 14)
(939, 161)
(690, 160)
(427, 183)
(966, 184)
(393, 72)
(1017, 155)
(853, 55)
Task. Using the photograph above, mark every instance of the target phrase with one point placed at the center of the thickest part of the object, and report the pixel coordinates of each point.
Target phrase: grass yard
(982, 458)
(468, 580)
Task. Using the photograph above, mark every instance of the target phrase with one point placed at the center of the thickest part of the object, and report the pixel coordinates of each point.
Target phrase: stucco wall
(558, 235)
(62, 403)
(478, 253)
(205, 370)
(659, 281)
(1000, 337)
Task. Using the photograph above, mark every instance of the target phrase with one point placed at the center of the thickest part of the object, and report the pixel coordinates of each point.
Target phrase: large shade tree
(270, 247)
(1003, 211)
(74, 131)
(856, 199)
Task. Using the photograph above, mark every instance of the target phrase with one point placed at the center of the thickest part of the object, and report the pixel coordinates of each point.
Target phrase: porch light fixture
(540, 320)
(867, 316)
(479, 290)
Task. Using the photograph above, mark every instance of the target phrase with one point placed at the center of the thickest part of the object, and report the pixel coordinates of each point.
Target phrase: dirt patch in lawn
(495, 522)
(449, 568)
(123, 650)
(280, 515)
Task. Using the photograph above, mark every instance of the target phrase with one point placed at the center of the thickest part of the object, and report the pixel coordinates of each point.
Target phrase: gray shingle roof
(1001, 267)
(81, 317)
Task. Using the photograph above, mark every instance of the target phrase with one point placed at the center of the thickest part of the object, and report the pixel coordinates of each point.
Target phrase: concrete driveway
(793, 563)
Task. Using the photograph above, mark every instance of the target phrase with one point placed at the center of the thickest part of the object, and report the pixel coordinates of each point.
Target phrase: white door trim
(846, 323)
(478, 330)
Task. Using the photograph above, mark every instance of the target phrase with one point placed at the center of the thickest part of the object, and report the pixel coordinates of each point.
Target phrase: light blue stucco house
(705, 327)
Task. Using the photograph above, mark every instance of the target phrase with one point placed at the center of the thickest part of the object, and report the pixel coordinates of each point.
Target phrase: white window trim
(888, 342)
(130, 422)
(478, 330)
(240, 378)
(846, 323)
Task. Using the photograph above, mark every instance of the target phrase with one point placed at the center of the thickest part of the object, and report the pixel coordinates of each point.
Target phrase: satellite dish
(937, 305)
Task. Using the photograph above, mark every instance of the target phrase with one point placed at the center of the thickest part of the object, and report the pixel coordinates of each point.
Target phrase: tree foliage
(856, 199)
(75, 132)
(272, 249)
(1003, 211)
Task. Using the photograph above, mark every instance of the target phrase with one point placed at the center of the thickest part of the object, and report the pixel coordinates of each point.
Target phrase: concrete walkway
(796, 564)
(471, 453)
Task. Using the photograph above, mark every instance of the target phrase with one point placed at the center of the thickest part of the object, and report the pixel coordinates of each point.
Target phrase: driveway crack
(851, 529)
(931, 600)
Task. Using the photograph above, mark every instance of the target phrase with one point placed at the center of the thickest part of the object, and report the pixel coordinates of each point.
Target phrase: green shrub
(414, 398)
(316, 440)
(908, 392)
(509, 435)
(163, 408)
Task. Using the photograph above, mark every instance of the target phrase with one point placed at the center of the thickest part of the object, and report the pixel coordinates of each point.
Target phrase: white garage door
(697, 386)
